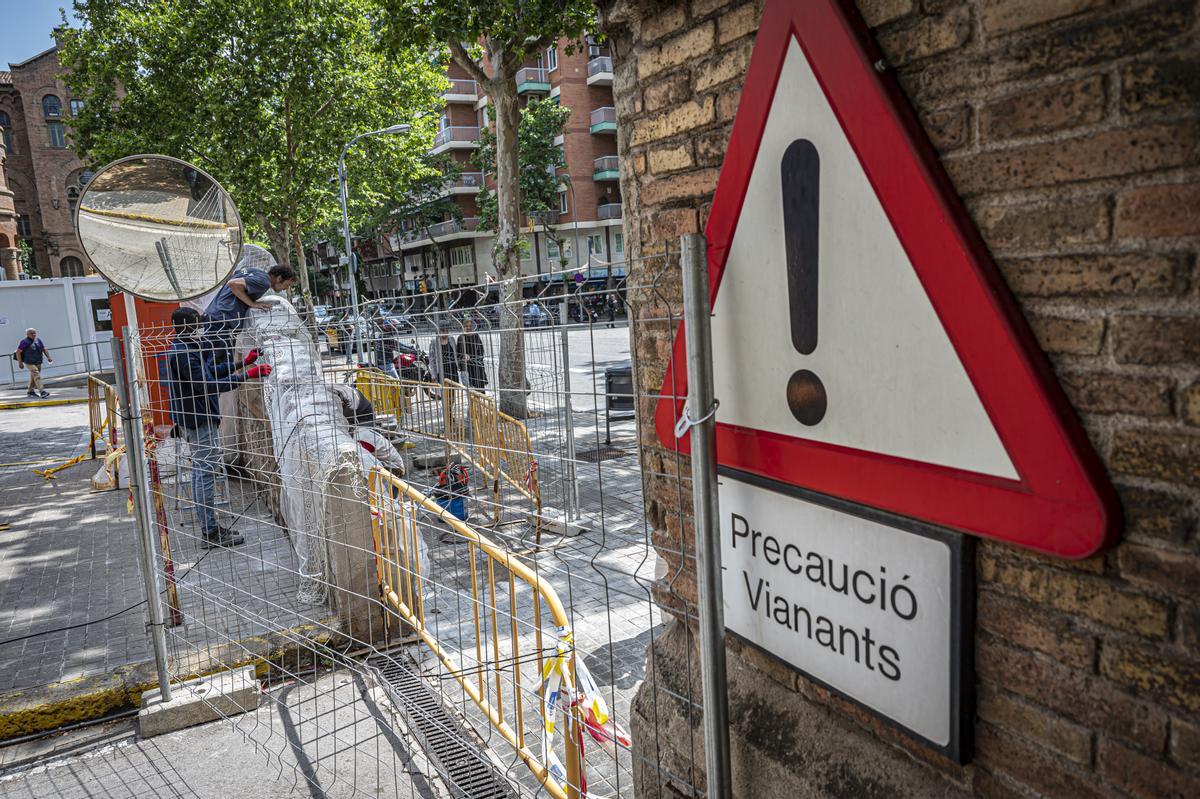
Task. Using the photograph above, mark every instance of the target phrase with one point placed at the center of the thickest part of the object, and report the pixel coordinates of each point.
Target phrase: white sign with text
(862, 607)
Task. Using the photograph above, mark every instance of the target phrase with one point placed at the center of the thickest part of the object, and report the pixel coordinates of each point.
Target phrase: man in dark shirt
(471, 354)
(241, 293)
(196, 379)
(30, 352)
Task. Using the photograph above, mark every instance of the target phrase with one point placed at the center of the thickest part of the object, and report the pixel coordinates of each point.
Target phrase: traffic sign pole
(699, 417)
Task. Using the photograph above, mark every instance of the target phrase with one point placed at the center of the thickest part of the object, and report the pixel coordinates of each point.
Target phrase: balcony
(608, 211)
(607, 167)
(465, 183)
(461, 91)
(532, 79)
(604, 120)
(600, 71)
(468, 224)
(457, 137)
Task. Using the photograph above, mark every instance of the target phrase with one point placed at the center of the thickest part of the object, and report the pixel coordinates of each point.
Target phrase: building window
(70, 267)
(23, 229)
(85, 177)
(552, 58)
(618, 244)
(596, 244)
(58, 135)
(76, 107)
(461, 256)
(552, 249)
(6, 130)
(51, 106)
(563, 207)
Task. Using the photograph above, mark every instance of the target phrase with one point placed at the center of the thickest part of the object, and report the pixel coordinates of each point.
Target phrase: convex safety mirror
(159, 228)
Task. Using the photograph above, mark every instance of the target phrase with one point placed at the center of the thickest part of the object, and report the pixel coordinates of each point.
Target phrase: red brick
(949, 128)
(1035, 627)
(1185, 743)
(687, 185)
(667, 91)
(1082, 697)
(926, 36)
(1059, 335)
(1098, 275)
(878, 12)
(736, 23)
(1161, 84)
(1102, 392)
(1037, 226)
(1173, 572)
(1097, 598)
(1157, 339)
(1048, 108)
(1032, 766)
(1144, 776)
(1155, 515)
(673, 224)
(1037, 725)
(1189, 405)
(1005, 16)
(1088, 40)
(1107, 154)
(1161, 454)
(1153, 673)
(1159, 211)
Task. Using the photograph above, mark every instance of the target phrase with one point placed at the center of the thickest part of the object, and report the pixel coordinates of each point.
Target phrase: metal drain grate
(454, 749)
(601, 454)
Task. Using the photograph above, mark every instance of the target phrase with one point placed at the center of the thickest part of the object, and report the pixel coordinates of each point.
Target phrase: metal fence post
(571, 500)
(135, 455)
(700, 406)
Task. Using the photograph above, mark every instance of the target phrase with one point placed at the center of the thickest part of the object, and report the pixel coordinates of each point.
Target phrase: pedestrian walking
(29, 355)
(195, 380)
(611, 305)
(443, 356)
(471, 354)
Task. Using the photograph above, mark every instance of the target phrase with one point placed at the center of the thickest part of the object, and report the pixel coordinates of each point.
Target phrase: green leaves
(261, 93)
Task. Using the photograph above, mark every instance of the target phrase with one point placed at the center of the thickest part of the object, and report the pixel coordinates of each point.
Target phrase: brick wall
(1070, 128)
(39, 174)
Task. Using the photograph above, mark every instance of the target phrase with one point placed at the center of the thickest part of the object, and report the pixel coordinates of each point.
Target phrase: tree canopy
(492, 40)
(263, 94)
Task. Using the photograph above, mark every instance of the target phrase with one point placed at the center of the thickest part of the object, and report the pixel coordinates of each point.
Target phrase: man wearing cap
(30, 353)
(195, 379)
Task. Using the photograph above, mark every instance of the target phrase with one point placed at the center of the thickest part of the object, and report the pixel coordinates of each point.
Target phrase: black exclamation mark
(801, 172)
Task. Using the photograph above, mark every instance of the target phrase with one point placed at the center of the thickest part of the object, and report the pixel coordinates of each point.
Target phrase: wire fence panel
(494, 558)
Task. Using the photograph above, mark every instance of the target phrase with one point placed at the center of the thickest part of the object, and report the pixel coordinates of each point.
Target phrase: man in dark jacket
(470, 355)
(196, 379)
(30, 352)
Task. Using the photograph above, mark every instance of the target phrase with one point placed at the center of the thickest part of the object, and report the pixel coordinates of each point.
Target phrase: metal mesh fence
(443, 499)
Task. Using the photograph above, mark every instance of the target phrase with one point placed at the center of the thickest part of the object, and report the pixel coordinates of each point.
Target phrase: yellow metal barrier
(398, 543)
(387, 394)
(102, 421)
(503, 452)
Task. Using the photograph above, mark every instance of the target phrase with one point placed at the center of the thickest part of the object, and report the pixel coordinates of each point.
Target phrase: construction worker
(195, 378)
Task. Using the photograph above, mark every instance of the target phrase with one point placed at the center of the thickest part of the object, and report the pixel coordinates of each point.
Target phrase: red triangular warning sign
(864, 344)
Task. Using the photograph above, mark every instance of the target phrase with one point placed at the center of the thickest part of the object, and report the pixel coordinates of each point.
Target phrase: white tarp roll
(312, 440)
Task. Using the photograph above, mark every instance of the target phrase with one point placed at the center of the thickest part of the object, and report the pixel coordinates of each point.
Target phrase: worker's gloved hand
(251, 357)
(263, 370)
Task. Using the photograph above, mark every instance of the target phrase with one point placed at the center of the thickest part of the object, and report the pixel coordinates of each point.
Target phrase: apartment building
(456, 253)
(43, 174)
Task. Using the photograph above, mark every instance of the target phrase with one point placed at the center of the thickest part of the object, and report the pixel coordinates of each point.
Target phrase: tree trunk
(506, 252)
(306, 303)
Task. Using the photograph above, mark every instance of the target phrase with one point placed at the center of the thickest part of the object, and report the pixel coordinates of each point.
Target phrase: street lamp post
(350, 262)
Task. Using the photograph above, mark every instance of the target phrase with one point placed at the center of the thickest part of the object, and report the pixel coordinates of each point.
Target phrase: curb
(8, 406)
(45, 708)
